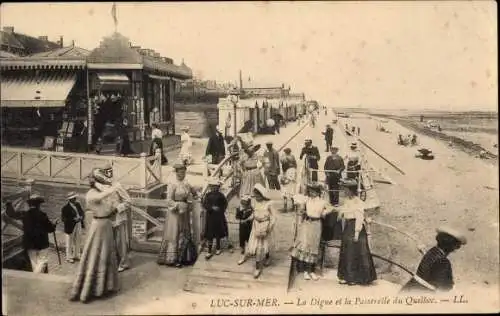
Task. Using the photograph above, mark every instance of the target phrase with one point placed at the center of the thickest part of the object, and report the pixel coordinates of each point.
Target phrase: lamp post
(234, 97)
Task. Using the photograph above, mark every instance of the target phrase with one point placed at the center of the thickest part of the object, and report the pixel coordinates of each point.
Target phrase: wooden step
(222, 275)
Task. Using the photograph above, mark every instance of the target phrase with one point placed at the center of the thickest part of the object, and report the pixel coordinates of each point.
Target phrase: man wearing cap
(334, 165)
(72, 216)
(216, 147)
(434, 272)
(312, 156)
(328, 137)
(273, 169)
(36, 230)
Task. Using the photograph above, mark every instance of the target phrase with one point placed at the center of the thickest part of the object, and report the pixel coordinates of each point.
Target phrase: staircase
(222, 275)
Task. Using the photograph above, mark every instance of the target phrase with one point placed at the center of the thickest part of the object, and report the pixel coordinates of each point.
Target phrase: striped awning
(42, 90)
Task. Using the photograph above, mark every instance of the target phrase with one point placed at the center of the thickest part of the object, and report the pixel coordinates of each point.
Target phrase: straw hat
(245, 198)
(185, 128)
(179, 166)
(316, 186)
(354, 145)
(262, 190)
(35, 197)
(71, 195)
(453, 233)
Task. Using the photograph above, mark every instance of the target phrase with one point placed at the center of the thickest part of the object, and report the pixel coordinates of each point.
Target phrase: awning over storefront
(36, 91)
(160, 77)
(114, 78)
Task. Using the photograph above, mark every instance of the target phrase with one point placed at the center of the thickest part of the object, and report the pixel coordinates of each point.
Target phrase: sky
(415, 55)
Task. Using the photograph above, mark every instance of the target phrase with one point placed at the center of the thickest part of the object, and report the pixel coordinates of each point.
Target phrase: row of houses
(116, 85)
(69, 98)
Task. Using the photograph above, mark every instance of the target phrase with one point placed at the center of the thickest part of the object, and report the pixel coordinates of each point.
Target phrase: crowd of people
(320, 217)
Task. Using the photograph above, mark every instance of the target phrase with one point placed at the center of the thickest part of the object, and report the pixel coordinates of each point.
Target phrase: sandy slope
(454, 189)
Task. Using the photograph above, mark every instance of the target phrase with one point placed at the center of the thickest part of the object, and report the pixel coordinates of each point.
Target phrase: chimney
(61, 41)
(73, 43)
(44, 38)
(8, 29)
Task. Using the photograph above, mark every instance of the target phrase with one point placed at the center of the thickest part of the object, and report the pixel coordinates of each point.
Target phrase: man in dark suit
(334, 165)
(73, 217)
(312, 157)
(328, 137)
(216, 147)
(36, 229)
(273, 168)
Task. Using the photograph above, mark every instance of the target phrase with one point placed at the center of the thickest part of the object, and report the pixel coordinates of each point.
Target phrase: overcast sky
(376, 54)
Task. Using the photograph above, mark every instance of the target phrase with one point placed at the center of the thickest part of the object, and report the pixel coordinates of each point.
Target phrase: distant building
(265, 90)
(25, 45)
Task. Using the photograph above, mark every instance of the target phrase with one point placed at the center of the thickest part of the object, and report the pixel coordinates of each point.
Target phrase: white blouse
(156, 133)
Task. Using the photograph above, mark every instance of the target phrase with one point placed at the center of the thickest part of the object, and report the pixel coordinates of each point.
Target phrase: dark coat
(216, 223)
(216, 146)
(328, 134)
(435, 269)
(313, 154)
(68, 215)
(36, 227)
(334, 162)
(274, 159)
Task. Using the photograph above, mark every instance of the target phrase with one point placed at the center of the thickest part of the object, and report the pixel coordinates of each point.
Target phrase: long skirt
(306, 245)
(97, 272)
(331, 227)
(177, 246)
(249, 179)
(122, 244)
(355, 259)
(216, 225)
(259, 246)
(158, 143)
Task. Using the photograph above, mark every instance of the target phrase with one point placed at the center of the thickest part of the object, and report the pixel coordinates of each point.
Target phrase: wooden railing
(74, 168)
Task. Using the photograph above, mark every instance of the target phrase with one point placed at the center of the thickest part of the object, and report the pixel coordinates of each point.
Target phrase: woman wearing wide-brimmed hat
(251, 174)
(260, 242)
(177, 247)
(355, 260)
(97, 273)
(186, 144)
(434, 272)
(306, 248)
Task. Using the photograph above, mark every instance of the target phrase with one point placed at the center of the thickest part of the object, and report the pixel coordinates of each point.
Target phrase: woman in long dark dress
(157, 143)
(355, 261)
(434, 271)
(215, 204)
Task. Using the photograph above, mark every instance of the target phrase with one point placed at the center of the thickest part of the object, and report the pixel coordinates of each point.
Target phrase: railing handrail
(72, 155)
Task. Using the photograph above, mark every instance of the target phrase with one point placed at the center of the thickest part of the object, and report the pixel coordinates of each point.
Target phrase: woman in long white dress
(186, 144)
(260, 243)
(177, 247)
(306, 247)
(97, 273)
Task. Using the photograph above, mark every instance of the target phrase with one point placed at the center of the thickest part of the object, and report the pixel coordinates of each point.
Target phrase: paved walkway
(148, 284)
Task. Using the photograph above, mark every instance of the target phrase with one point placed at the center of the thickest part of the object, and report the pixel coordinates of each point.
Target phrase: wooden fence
(74, 168)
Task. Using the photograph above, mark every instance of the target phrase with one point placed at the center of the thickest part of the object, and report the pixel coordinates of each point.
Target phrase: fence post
(29, 185)
(144, 177)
